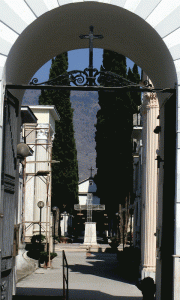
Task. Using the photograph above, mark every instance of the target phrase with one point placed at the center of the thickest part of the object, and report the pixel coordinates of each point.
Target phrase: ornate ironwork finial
(91, 37)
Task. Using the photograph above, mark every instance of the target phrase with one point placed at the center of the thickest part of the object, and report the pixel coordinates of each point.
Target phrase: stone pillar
(150, 112)
(42, 154)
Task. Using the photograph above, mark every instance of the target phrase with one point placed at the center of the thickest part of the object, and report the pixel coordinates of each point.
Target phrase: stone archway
(58, 31)
(144, 33)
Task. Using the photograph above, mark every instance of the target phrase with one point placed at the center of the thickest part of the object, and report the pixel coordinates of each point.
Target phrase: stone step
(23, 297)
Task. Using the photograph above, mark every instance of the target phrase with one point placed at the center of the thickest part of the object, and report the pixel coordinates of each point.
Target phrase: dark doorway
(168, 197)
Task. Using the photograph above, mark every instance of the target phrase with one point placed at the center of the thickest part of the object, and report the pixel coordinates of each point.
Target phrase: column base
(176, 277)
(148, 272)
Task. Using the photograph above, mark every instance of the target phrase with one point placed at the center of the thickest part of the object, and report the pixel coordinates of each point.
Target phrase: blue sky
(78, 60)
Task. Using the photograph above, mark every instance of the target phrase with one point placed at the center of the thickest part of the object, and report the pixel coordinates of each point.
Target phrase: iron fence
(65, 277)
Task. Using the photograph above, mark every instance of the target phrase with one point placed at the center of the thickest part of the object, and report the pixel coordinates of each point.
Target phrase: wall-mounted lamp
(23, 151)
(157, 129)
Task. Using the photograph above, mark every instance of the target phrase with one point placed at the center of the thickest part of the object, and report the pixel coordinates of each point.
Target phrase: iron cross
(91, 36)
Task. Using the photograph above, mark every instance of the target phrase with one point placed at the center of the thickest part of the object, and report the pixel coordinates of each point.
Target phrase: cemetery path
(94, 276)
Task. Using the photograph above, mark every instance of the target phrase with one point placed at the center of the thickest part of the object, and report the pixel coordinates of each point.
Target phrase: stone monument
(90, 237)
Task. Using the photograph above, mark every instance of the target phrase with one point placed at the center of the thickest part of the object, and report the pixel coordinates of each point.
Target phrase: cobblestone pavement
(90, 277)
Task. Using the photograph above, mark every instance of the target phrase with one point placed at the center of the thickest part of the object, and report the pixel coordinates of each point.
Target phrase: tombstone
(64, 223)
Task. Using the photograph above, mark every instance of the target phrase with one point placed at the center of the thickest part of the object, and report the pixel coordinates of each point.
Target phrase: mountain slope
(85, 105)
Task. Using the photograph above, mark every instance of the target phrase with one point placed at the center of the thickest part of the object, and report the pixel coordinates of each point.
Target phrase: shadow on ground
(80, 239)
(28, 293)
(104, 265)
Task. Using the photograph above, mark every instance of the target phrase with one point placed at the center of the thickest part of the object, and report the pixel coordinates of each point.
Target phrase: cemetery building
(87, 186)
(22, 265)
(37, 171)
(37, 132)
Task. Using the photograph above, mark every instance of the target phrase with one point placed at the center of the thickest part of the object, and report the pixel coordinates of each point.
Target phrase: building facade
(38, 172)
(87, 186)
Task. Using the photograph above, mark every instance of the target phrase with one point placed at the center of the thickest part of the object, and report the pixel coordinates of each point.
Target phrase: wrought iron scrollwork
(77, 77)
(82, 78)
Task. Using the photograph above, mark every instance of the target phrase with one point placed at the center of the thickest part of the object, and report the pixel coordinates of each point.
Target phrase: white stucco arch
(148, 32)
(58, 30)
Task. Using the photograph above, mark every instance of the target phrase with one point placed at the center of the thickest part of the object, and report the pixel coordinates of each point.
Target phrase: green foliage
(36, 238)
(134, 76)
(57, 238)
(65, 174)
(114, 62)
(44, 256)
(113, 136)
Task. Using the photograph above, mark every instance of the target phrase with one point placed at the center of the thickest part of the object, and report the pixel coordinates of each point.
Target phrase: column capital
(42, 132)
(150, 100)
(52, 137)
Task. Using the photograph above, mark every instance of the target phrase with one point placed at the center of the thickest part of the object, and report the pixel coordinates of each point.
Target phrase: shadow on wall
(27, 293)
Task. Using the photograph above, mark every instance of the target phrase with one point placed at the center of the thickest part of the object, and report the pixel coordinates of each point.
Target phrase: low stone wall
(24, 265)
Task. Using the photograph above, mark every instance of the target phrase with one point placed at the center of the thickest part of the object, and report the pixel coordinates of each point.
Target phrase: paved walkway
(90, 277)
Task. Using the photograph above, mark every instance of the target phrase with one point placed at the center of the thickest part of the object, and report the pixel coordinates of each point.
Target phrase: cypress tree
(113, 137)
(134, 76)
(64, 174)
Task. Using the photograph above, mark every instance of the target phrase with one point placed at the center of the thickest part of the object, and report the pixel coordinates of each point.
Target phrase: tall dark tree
(133, 75)
(64, 174)
(113, 137)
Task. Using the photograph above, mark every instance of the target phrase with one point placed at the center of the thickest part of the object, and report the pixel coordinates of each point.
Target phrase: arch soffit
(58, 30)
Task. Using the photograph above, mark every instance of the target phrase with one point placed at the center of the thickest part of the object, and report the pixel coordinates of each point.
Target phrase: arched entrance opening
(58, 31)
